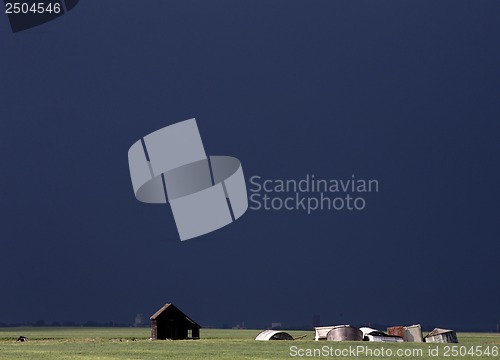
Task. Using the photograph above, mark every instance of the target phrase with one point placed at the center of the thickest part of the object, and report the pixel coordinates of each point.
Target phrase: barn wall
(165, 329)
(154, 330)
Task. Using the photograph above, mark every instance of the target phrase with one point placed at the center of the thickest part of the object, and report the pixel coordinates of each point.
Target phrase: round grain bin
(344, 333)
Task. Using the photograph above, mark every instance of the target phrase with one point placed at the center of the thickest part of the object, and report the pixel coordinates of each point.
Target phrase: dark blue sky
(406, 92)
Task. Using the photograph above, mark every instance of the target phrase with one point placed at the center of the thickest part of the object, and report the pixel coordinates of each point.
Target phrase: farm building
(341, 333)
(370, 334)
(321, 332)
(171, 323)
(412, 333)
(344, 333)
(273, 335)
(441, 336)
(396, 331)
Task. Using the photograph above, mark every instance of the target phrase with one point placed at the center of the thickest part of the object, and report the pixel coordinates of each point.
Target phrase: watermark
(27, 14)
(451, 351)
(353, 351)
(170, 166)
(310, 193)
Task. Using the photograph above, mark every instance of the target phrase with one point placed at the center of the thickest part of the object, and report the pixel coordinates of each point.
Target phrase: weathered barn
(441, 336)
(273, 335)
(171, 323)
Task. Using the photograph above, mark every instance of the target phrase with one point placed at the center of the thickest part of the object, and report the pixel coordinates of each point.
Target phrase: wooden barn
(171, 323)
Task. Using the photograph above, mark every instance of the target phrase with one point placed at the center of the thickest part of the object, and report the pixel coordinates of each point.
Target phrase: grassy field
(134, 343)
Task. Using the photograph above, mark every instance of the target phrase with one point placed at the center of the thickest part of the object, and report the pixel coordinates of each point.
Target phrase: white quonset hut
(441, 336)
(273, 335)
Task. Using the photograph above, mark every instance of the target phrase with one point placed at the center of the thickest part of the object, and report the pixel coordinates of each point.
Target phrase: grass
(134, 344)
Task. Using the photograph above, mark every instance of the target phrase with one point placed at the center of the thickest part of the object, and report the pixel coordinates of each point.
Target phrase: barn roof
(172, 307)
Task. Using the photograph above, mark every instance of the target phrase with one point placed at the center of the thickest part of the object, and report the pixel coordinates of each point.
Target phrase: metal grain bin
(344, 333)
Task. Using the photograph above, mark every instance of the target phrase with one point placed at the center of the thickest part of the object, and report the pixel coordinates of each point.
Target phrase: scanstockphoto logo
(170, 166)
(311, 194)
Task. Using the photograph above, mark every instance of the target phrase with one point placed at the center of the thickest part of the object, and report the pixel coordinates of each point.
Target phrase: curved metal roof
(273, 335)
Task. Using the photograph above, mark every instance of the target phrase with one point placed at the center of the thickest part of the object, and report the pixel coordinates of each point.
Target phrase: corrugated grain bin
(344, 333)
(321, 332)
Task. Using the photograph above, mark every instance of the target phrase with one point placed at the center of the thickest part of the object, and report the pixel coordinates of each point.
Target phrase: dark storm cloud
(404, 92)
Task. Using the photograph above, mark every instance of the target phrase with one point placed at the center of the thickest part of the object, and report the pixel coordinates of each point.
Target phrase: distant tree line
(89, 323)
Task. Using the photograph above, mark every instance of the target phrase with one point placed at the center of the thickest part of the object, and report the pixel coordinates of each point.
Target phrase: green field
(133, 343)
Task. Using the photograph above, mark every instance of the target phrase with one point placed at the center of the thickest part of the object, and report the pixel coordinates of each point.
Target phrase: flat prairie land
(81, 343)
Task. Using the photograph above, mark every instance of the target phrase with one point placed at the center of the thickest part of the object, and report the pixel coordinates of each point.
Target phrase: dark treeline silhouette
(383, 327)
(89, 323)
